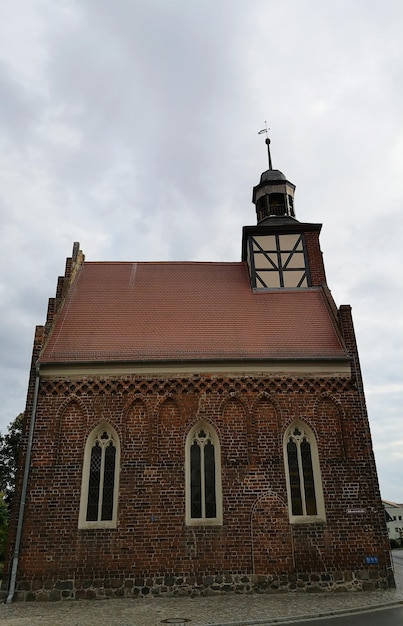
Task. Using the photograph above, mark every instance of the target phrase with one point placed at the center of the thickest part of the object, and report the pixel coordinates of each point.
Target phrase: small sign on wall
(371, 560)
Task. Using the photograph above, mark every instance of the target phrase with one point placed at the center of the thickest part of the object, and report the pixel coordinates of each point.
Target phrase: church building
(198, 427)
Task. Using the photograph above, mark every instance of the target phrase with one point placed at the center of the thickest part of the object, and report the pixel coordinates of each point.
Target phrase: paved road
(397, 556)
(386, 617)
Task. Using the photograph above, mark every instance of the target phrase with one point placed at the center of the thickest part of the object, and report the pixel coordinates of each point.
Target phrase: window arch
(203, 476)
(100, 480)
(304, 484)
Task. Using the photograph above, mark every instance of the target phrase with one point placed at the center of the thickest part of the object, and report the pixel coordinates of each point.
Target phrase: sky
(132, 127)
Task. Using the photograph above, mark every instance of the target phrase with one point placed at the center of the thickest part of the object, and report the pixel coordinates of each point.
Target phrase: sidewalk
(212, 610)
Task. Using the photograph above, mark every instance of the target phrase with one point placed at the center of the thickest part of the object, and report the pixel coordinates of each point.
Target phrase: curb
(301, 618)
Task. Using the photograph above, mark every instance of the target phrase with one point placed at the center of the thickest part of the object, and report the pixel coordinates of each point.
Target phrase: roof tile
(168, 311)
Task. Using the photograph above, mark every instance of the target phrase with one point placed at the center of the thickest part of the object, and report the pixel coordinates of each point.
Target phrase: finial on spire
(266, 130)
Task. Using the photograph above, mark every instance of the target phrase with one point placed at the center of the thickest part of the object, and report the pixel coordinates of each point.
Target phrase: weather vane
(266, 130)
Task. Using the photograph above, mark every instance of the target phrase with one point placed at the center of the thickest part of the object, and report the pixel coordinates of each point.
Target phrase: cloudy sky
(131, 127)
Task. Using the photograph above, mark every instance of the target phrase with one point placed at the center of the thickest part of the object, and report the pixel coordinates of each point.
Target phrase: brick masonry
(152, 550)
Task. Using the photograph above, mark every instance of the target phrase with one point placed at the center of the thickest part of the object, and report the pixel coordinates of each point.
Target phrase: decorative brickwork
(163, 386)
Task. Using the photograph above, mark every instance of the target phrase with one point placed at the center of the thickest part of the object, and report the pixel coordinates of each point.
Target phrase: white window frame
(92, 437)
(320, 505)
(212, 435)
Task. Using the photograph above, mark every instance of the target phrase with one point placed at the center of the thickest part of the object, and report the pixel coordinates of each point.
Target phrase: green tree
(3, 529)
(9, 450)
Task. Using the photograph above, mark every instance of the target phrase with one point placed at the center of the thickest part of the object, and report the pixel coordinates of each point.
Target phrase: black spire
(268, 153)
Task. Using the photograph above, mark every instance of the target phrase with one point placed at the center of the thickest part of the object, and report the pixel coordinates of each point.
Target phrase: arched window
(203, 477)
(100, 482)
(304, 485)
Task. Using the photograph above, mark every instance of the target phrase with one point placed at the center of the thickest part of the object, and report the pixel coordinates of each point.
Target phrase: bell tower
(281, 252)
(274, 195)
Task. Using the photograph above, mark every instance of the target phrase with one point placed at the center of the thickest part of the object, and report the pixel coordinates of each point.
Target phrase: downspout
(13, 576)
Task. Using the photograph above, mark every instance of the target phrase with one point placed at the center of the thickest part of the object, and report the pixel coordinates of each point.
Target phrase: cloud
(133, 130)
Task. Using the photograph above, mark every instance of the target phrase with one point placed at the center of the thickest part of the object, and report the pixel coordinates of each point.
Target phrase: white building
(394, 519)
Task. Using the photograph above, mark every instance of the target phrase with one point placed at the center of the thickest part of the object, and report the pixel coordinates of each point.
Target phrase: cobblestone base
(170, 585)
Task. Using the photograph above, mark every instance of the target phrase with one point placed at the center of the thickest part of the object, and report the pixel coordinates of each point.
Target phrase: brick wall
(315, 258)
(152, 550)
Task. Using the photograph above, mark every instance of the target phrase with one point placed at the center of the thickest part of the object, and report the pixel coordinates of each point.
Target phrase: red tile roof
(167, 311)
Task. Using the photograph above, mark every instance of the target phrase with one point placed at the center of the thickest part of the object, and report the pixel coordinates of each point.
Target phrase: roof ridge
(165, 262)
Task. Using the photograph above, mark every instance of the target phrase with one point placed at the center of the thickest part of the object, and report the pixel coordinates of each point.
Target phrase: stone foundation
(170, 585)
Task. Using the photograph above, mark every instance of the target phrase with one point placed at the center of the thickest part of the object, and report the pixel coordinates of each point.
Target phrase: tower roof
(272, 175)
